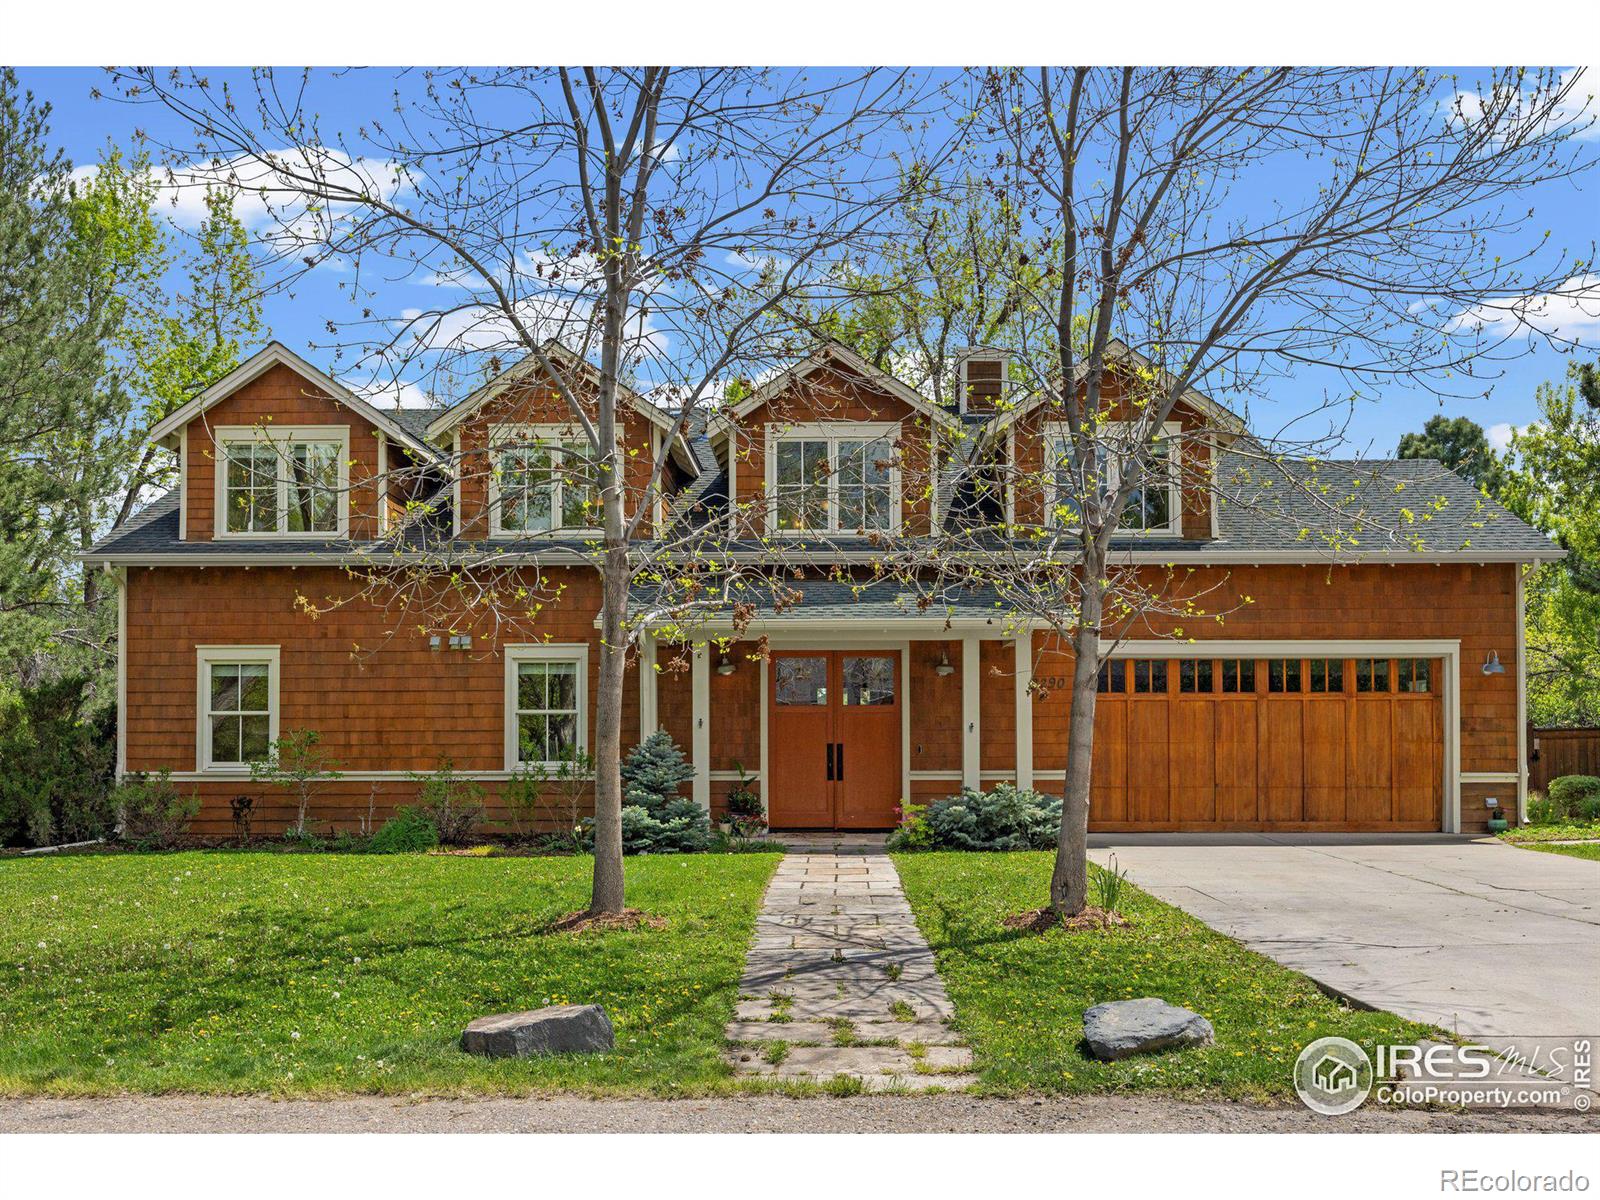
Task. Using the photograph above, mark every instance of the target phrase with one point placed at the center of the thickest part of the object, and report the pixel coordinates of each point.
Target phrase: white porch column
(648, 719)
(700, 738)
(970, 683)
(1024, 675)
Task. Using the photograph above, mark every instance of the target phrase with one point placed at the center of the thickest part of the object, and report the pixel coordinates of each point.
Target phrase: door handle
(830, 762)
(838, 762)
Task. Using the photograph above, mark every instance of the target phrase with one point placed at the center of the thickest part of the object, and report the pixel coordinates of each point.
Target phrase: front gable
(832, 395)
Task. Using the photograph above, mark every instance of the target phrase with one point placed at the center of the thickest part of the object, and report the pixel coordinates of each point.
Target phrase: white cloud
(396, 393)
(1499, 435)
(1571, 312)
(565, 317)
(267, 200)
(1579, 108)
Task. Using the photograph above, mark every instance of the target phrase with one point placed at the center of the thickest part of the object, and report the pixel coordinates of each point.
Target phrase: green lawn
(1020, 997)
(1590, 850)
(306, 974)
(1561, 831)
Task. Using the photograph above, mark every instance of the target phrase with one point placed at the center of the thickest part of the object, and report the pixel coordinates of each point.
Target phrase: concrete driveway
(1472, 935)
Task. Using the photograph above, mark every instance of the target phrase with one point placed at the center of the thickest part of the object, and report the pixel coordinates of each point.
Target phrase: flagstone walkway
(840, 982)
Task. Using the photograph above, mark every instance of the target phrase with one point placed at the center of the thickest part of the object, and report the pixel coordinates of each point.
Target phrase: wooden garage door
(1282, 743)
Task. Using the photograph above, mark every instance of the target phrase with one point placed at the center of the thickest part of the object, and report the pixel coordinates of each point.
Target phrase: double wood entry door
(834, 733)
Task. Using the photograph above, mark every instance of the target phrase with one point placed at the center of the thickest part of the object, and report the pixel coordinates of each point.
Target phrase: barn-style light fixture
(1492, 665)
(725, 667)
(944, 667)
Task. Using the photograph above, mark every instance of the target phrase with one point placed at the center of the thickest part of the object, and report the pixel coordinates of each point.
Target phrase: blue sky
(83, 126)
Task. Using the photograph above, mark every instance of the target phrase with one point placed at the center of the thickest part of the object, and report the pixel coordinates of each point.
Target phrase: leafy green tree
(1460, 444)
(178, 348)
(56, 325)
(1554, 484)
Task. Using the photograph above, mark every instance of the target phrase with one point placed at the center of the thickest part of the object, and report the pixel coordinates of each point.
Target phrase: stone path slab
(839, 981)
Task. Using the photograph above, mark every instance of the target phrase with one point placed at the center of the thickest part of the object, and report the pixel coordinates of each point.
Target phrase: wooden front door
(834, 734)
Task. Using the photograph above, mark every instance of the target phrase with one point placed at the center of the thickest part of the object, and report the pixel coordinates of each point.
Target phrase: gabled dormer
(1178, 500)
(831, 448)
(522, 464)
(278, 451)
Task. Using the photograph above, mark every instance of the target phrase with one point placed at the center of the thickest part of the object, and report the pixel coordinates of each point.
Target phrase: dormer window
(1154, 506)
(983, 379)
(283, 482)
(543, 481)
(833, 477)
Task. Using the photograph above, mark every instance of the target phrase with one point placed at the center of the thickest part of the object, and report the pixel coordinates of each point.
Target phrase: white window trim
(516, 655)
(205, 657)
(225, 435)
(541, 432)
(832, 432)
(1171, 433)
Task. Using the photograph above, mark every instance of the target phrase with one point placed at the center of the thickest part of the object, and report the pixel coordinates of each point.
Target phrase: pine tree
(652, 773)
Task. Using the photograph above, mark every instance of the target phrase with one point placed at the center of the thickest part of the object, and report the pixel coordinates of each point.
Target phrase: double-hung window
(1153, 506)
(543, 480)
(834, 478)
(546, 690)
(283, 482)
(237, 703)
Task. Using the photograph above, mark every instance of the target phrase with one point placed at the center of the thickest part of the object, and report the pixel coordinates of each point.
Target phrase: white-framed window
(547, 703)
(543, 479)
(236, 700)
(280, 483)
(1154, 507)
(833, 477)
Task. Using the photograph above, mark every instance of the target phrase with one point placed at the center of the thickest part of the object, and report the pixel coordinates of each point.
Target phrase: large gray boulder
(560, 1029)
(1125, 1027)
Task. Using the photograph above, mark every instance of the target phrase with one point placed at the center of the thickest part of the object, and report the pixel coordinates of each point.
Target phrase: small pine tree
(651, 776)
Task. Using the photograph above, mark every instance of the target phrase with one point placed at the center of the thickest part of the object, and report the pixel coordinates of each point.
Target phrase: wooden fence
(1553, 753)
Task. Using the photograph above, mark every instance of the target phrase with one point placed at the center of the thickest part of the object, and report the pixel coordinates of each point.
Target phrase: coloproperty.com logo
(1334, 1075)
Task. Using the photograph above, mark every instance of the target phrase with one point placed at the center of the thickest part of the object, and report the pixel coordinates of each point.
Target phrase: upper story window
(543, 480)
(833, 478)
(1153, 506)
(283, 482)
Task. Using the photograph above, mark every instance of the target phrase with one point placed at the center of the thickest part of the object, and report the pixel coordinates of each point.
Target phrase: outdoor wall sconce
(1491, 665)
(725, 667)
(944, 667)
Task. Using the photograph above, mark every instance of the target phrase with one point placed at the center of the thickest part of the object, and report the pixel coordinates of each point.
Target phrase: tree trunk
(608, 878)
(1069, 881)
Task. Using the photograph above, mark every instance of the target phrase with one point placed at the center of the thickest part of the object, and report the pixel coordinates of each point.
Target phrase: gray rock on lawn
(1125, 1027)
(560, 1029)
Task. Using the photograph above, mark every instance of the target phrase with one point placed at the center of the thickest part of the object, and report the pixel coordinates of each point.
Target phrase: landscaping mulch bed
(628, 918)
(1042, 920)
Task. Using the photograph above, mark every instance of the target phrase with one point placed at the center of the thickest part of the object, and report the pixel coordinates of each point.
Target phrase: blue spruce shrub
(1004, 818)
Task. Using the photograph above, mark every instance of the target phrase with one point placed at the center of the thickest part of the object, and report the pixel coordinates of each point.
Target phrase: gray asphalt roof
(1369, 509)
(1382, 504)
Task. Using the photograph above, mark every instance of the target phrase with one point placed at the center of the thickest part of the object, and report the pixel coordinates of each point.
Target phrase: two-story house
(1381, 691)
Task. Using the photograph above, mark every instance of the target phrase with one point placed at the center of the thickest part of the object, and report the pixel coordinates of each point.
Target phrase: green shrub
(913, 832)
(1005, 818)
(453, 804)
(1576, 796)
(655, 819)
(152, 814)
(1542, 810)
(55, 785)
(409, 831)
